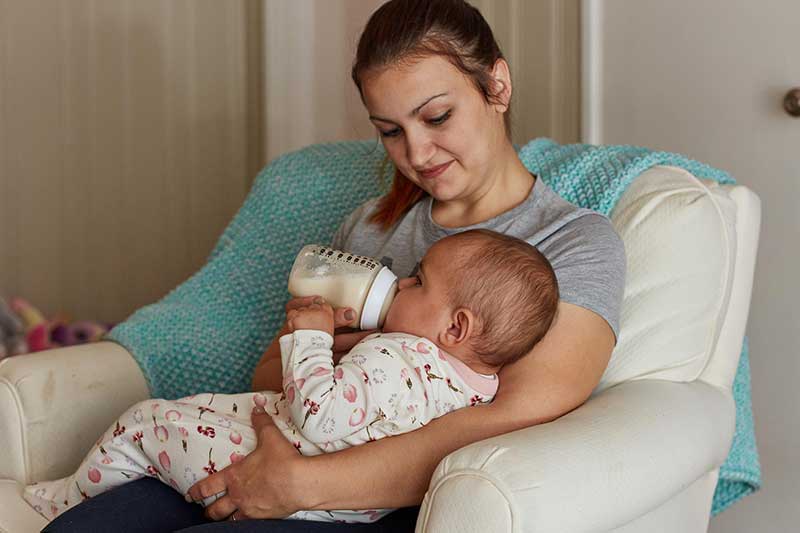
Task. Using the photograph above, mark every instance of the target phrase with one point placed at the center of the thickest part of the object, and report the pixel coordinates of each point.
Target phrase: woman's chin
(442, 194)
(445, 191)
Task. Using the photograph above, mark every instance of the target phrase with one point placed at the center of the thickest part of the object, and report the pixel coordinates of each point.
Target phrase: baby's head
(484, 297)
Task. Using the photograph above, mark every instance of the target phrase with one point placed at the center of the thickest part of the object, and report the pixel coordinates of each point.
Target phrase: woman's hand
(262, 485)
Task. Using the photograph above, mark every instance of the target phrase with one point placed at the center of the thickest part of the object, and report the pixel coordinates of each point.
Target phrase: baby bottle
(345, 280)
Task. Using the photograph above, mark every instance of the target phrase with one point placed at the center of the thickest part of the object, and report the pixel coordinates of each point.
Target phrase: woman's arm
(555, 378)
(558, 376)
(268, 374)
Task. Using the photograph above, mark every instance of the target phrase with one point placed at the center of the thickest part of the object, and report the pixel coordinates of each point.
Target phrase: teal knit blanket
(209, 332)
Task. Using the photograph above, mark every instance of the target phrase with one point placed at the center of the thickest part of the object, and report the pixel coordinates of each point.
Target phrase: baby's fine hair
(510, 287)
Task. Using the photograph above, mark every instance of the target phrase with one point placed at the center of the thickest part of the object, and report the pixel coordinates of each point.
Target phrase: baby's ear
(459, 329)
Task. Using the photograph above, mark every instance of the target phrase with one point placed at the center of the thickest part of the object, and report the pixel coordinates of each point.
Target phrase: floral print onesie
(388, 384)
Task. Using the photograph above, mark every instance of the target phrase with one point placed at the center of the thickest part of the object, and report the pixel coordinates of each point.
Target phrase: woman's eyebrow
(413, 112)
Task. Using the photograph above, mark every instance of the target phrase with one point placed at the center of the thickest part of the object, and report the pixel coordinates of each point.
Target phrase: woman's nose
(419, 150)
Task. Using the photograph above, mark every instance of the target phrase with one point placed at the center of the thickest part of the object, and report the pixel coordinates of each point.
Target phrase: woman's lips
(435, 171)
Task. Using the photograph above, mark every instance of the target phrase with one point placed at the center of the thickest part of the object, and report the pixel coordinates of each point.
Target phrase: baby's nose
(405, 282)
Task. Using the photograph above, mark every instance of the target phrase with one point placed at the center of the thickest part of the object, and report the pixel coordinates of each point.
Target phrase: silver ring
(208, 500)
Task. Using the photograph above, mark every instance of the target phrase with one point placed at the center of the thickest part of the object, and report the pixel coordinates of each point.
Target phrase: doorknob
(791, 102)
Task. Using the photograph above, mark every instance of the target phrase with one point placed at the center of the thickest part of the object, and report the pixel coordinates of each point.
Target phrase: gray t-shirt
(586, 253)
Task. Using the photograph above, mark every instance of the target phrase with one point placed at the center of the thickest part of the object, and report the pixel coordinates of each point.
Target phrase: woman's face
(436, 126)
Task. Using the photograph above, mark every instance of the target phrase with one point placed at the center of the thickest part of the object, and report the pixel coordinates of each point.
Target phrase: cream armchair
(642, 455)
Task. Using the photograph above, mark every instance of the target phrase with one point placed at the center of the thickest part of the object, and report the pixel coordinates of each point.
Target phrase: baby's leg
(180, 442)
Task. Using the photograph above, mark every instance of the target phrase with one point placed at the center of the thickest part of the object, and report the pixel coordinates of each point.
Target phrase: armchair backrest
(690, 246)
(209, 332)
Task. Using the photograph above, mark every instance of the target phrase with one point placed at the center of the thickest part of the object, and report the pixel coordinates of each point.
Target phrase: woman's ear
(459, 329)
(501, 85)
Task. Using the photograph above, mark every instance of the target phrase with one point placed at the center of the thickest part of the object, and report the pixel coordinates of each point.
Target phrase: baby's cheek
(388, 324)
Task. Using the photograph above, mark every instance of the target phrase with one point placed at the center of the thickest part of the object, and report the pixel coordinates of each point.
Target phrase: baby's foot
(38, 497)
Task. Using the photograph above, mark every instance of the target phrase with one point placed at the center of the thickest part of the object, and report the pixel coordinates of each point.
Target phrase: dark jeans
(147, 505)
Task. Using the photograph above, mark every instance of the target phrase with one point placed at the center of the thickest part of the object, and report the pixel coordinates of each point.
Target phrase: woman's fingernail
(188, 498)
(318, 300)
(349, 314)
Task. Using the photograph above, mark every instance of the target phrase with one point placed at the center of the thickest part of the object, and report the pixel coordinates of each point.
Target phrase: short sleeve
(588, 257)
(341, 239)
(337, 242)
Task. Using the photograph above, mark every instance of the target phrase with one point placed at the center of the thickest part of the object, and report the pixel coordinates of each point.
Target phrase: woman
(438, 91)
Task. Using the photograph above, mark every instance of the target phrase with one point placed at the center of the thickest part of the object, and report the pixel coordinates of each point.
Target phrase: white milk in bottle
(345, 280)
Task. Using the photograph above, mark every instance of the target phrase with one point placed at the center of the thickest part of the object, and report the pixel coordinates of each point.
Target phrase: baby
(481, 300)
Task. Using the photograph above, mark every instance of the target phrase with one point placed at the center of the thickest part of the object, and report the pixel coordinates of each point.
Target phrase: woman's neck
(507, 187)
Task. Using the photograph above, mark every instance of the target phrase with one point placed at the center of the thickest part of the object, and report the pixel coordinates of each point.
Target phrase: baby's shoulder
(395, 340)
(407, 346)
(401, 338)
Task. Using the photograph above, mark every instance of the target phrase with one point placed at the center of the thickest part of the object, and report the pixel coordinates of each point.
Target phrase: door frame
(591, 71)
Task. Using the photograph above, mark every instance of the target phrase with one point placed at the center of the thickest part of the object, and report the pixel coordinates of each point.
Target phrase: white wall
(308, 95)
(707, 79)
(309, 46)
(126, 145)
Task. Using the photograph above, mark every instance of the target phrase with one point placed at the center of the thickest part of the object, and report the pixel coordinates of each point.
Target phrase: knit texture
(209, 332)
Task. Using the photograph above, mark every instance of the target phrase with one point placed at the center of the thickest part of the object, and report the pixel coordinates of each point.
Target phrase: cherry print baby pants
(179, 442)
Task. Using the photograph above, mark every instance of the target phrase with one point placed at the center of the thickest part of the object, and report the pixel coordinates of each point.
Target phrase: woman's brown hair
(404, 30)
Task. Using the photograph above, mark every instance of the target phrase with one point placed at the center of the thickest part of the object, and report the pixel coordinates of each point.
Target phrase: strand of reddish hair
(402, 196)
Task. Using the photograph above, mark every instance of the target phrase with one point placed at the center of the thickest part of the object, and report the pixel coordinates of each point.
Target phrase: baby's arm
(326, 402)
(267, 374)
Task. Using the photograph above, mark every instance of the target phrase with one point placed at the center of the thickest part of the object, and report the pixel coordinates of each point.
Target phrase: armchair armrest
(54, 404)
(640, 442)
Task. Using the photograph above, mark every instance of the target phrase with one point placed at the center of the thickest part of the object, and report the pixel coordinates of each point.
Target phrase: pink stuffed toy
(78, 332)
(42, 334)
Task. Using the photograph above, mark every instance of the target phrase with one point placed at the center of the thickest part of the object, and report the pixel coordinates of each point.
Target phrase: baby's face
(420, 306)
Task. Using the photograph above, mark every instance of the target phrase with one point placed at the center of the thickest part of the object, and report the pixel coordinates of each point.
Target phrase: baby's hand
(318, 316)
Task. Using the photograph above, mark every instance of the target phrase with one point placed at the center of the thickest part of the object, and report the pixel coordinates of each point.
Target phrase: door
(707, 79)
